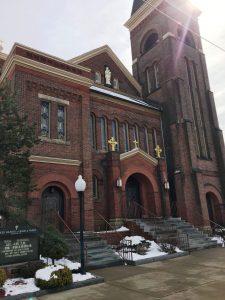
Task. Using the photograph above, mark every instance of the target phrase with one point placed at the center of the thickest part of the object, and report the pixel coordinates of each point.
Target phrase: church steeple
(136, 5)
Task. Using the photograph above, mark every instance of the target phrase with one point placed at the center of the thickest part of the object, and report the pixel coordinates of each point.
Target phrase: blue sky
(67, 28)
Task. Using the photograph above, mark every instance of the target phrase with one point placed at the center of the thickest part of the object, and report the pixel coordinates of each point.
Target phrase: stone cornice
(138, 151)
(3, 56)
(113, 56)
(142, 13)
(54, 99)
(15, 60)
(55, 160)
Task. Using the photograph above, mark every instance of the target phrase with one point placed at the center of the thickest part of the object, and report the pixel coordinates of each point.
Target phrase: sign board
(18, 244)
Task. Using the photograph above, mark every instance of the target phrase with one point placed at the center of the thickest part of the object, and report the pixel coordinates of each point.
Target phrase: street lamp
(80, 186)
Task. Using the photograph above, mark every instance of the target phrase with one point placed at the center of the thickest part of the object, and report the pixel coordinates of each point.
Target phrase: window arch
(152, 77)
(98, 77)
(186, 37)
(95, 187)
(93, 131)
(103, 124)
(150, 42)
(115, 132)
(126, 137)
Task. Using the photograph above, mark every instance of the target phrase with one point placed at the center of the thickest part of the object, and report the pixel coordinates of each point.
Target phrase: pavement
(199, 276)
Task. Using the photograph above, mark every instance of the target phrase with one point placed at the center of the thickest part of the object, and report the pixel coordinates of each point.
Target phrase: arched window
(146, 143)
(98, 77)
(93, 131)
(95, 187)
(152, 77)
(115, 132)
(126, 137)
(103, 123)
(151, 42)
(136, 136)
(115, 83)
(186, 37)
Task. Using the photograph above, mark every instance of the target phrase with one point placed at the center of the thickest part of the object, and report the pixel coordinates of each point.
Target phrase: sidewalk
(200, 276)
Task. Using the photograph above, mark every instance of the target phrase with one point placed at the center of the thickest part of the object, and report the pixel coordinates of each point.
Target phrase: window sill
(54, 141)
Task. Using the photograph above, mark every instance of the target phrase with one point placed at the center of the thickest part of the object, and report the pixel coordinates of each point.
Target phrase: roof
(136, 5)
(126, 98)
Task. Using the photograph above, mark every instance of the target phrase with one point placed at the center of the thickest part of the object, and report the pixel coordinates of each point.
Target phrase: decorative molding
(55, 160)
(168, 34)
(112, 55)
(50, 98)
(136, 151)
(15, 60)
(147, 8)
(3, 56)
(134, 61)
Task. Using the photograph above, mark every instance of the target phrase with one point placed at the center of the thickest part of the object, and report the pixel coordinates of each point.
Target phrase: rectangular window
(45, 119)
(61, 122)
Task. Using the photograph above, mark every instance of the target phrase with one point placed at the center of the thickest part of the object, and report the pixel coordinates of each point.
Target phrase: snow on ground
(153, 251)
(123, 228)
(45, 273)
(18, 286)
(219, 240)
(64, 262)
(79, 277)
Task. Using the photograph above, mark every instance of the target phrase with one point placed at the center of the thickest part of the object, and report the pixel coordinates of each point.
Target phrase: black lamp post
(80, 186)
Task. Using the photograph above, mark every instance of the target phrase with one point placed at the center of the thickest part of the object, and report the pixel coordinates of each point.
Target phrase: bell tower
(169, 63)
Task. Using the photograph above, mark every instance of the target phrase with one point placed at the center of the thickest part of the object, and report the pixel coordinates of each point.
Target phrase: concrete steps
(99, 253)
(170, 228)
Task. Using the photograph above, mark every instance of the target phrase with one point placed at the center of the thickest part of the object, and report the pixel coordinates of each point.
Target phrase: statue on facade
(108, 76)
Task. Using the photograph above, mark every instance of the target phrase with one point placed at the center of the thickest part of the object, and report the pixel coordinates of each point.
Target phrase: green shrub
(52, 244)
(30, 268)
(3, 277)
(62, 277)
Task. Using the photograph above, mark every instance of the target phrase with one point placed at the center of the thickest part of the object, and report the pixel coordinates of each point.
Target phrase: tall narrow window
(126, 137)
(152, 78)
(98, 77)
(104, 133)
(45, 119)
(156, 75)
(93, 131)
(146, 143)
(95, 187)
(154, 138)
(61, 122)
(136, 136)
(115, 132)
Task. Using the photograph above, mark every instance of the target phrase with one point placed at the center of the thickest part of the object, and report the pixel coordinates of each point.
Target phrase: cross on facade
(113, 143)
(158, 151)
(136, 143)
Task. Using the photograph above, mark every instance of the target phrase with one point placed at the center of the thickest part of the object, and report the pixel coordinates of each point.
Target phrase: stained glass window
(126, 137)
(115, 132)
(104, 133)
(93, 131)
(45, 118)
(146, 143)
(61, 122)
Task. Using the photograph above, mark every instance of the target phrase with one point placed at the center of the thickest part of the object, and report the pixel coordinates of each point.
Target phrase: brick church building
(146, 145)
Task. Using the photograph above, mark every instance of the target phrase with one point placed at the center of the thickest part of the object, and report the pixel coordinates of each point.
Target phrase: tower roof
(136, 5)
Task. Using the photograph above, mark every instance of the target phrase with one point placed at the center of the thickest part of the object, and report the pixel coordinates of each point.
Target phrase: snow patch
(18, 286)
(64, 262)
(79, 277)
(218, 239)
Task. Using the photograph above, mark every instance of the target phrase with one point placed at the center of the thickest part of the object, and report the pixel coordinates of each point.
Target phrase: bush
(168, 248)
(58, 278)
(29, 270)
(3, 277)
(52, 244)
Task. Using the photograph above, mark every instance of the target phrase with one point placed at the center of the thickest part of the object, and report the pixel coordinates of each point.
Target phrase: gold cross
(158, 151)
(136, 143)
(113, 143)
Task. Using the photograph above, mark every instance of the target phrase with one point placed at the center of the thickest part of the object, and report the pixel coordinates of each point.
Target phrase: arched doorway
(214, 209)
(140, 197)
(52, 203)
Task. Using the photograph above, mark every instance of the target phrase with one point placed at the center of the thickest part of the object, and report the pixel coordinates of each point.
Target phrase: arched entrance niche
(214, 209)
(52, 204)
(140, 197)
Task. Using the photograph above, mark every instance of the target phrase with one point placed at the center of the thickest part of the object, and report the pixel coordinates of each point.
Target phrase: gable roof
(136, 5)
(112, 55)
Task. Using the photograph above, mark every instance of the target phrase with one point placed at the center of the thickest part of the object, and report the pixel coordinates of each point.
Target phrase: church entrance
(52, 204)
(214, 209)
(133, 198)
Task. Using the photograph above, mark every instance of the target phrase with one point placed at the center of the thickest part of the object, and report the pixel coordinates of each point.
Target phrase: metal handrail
(211, 221)
(68, 227)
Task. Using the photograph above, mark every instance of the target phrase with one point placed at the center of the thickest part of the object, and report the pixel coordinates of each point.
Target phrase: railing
(124, 249)
(75, 237)
(180, 241)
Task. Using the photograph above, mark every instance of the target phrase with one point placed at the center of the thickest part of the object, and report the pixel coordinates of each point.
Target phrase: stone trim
(37, 66)
(135, 151)
(3, 56)
(55, 160)
(168, 34)
(50, 98)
